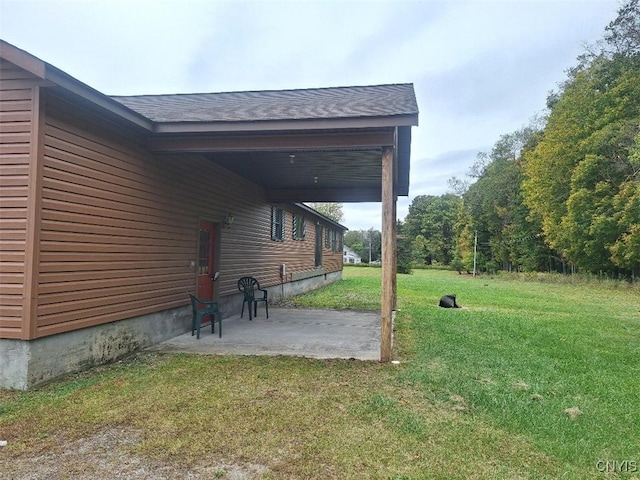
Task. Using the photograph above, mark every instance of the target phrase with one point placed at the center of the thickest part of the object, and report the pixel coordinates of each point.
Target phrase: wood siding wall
(119, 226)
(251, 251)
(18, 117)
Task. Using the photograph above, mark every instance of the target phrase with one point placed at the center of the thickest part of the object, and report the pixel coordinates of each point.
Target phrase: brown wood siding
(249, 249)
(16, 127)
(119, 225)
(113, 244)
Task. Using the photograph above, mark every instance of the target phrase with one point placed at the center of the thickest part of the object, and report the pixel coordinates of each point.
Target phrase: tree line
(561, 194)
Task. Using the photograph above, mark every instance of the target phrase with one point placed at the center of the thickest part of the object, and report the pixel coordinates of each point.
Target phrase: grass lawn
(530, 379)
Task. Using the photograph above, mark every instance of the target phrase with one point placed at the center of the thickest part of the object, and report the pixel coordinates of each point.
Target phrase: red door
(206, 268)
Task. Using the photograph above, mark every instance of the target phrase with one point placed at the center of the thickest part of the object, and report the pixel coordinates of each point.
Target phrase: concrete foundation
(24, 364)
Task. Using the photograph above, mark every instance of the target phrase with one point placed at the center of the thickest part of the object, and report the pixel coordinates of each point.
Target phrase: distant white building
(350, 256)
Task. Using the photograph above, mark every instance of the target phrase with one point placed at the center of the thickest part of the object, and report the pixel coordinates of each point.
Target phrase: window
(298, 227)
(327, 238)
(318, 251)
(203, 254)
(277, 224)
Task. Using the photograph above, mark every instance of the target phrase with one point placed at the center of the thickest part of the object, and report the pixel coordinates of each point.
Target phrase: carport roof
(304, 104)
(307, 145)
(316, 144)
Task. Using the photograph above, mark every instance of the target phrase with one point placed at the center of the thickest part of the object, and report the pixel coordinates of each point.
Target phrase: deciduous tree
(430, 228)
(330, 210)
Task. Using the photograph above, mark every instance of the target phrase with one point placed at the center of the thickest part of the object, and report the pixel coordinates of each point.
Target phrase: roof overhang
(337, 165)
(294, 160)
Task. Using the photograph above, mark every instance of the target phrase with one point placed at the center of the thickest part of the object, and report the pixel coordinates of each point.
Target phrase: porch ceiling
(310, 175)
(338, 165)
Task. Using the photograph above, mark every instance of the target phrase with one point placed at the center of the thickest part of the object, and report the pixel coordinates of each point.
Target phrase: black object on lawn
(449, 301)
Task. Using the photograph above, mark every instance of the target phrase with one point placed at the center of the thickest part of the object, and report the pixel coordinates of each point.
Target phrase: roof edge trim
(22, 59)
(46, 71)
(307, 208)
(409, 120)
(72, 85)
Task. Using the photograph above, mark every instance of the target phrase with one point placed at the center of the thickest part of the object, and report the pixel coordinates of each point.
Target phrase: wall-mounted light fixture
(228, 220)
(292, 158)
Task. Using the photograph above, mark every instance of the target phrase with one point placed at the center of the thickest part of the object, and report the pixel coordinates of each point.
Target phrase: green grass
(481, 392)
(522, 353)
(358, 290)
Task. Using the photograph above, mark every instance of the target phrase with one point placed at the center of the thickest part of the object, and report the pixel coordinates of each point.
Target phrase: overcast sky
(480, 68)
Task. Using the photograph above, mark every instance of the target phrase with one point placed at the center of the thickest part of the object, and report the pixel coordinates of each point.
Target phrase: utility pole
(475, 250)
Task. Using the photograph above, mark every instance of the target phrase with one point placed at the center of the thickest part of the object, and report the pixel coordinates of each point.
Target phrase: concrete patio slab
(288, 331)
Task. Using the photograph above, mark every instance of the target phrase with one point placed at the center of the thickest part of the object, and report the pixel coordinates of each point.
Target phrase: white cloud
(481, 68)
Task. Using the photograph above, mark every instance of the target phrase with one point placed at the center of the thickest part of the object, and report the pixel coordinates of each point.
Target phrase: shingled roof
(317, 103)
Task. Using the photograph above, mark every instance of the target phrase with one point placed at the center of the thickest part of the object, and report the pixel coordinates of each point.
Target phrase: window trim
(278, 228)
(298, 227)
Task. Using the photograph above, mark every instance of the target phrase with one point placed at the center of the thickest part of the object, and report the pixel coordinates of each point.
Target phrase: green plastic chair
(210, 308)
(253, 294)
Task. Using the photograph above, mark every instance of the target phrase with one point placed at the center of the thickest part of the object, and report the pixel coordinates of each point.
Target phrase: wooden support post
(394, 240)
(388, 255)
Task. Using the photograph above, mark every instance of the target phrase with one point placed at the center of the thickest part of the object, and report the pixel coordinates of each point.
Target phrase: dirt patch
(573, 413)
(110, 454)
